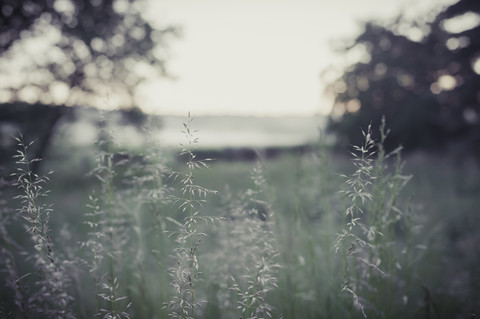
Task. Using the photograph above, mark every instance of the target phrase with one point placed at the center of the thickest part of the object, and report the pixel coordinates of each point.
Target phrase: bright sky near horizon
(258, 57)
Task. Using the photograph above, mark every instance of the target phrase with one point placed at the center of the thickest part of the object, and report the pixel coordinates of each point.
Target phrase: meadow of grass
(142, 233)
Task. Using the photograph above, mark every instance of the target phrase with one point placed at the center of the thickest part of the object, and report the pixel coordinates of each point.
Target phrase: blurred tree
(36, 123)
(40, 123)
(422, 76)
(72, 52)
(68, 51)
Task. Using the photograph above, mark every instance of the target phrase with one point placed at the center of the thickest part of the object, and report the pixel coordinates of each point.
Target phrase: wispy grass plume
(372, 240)
(248, 253)
(186, 273)
(50, 296)
(108, 236)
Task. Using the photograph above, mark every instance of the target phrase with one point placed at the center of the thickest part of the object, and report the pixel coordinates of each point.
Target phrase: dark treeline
(422, 76)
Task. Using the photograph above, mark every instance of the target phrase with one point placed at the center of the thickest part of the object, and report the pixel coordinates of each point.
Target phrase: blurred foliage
(422, 76)
(81, 46)
(41, 123)
(72, 52)
(35, 123)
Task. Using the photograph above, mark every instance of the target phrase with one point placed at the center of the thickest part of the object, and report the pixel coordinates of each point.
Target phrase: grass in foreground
(290, 238)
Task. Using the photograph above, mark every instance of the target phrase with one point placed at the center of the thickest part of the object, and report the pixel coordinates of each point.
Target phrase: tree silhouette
(87, 50)
(92, 45)
(426, 86)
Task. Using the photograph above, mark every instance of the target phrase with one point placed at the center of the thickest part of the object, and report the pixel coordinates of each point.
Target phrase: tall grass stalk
(145, 181)
(51, 297)
(186, 272)
(108, 235)
(253, 228)
(371, 242)
(352, 241)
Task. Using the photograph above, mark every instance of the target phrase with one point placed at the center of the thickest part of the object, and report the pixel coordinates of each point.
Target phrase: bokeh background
(263, 80)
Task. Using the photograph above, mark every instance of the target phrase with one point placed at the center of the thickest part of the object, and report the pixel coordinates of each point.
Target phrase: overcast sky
(258, 57)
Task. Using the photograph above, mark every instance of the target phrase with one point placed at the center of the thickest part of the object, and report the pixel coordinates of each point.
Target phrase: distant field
(213, 132)
(218, 132)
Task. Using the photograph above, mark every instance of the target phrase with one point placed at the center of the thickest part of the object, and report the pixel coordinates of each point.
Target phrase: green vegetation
(299, 236)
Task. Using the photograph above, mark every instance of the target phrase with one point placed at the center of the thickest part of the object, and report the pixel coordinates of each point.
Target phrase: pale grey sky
(236, 57)
(258, 57)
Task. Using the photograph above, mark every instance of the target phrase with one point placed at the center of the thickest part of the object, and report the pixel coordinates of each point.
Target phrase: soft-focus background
(274, 81)
(338, 66)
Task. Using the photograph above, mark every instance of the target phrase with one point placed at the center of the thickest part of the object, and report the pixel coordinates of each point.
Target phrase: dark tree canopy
(72, 52)
(426, 86)
(93, 45)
